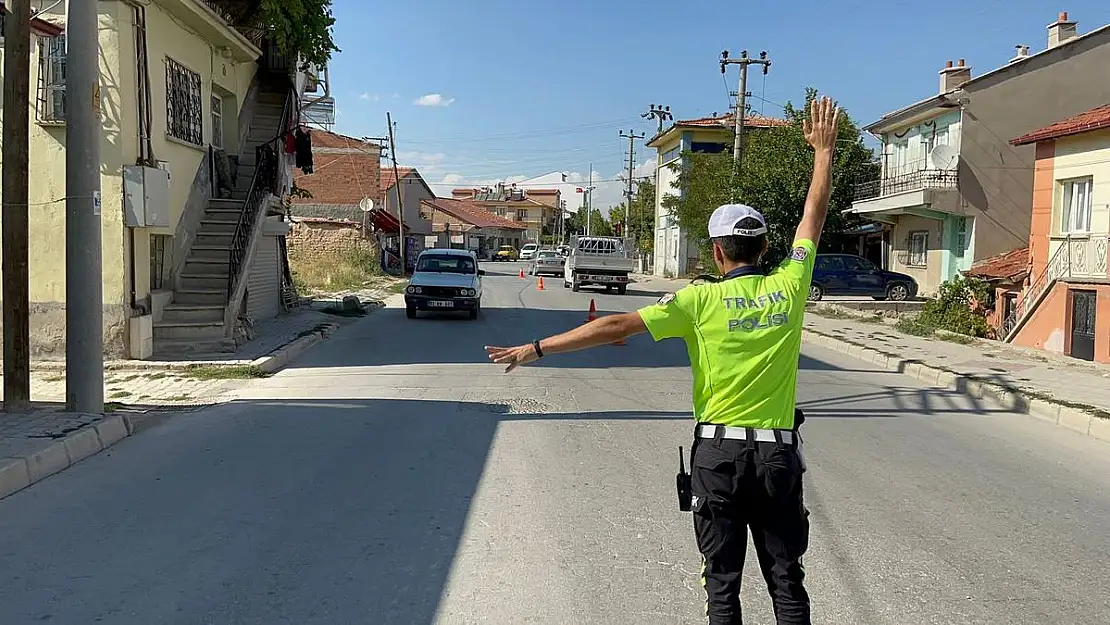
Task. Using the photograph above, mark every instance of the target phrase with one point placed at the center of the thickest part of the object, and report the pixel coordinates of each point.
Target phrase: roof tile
(1094, 119)
(473, 214)
(341, 178)
(1012, 265)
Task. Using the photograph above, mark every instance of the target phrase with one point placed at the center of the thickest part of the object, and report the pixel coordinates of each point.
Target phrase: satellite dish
(944, 157)
(366, 205)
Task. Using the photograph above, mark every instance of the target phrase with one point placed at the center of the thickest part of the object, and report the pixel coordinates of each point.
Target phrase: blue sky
(488, 90)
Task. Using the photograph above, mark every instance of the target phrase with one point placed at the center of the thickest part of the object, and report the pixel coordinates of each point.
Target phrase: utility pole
(662, 113)
(84, 290)
(16, 305)
(400, 206)
(741, 96)
(590, 200)
(631, 136)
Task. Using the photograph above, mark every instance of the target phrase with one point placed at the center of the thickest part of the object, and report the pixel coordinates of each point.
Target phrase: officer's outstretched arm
(820, 131)
(603, 331)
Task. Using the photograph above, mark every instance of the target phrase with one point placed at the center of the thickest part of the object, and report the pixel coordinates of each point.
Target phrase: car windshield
(506, 248)
(546, 254)
(443, 263)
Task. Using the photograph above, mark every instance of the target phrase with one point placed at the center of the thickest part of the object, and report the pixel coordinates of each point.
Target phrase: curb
(1071, 416)
(283, 355)
(19, 473)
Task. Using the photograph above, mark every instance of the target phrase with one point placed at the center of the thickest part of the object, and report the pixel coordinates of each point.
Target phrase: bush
(959, 308)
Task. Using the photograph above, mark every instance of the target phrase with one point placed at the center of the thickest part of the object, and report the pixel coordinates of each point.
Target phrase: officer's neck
(726, 267)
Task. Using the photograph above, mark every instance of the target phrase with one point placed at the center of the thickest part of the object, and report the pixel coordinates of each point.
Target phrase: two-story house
(195, 105)
(676, 251)
(537, 209)
(953, 190)
(1065, 307)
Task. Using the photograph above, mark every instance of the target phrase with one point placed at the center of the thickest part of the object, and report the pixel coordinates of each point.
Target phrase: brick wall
(321, 238)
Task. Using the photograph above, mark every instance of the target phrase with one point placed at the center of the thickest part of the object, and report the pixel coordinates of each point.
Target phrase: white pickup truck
(601, 261)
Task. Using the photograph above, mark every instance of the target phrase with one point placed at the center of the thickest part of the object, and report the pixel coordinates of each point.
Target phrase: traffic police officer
(744, 337)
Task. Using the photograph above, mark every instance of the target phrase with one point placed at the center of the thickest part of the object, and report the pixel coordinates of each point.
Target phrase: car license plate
(441, 304)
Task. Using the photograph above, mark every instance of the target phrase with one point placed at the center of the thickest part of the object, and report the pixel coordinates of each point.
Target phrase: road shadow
(262, 512)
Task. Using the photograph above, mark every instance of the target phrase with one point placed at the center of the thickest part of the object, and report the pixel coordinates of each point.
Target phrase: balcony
(912, 186)
(215, 21)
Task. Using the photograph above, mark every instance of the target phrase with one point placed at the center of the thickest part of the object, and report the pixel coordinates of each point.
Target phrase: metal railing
(266, 182)
(1076, 257)
(911, 181)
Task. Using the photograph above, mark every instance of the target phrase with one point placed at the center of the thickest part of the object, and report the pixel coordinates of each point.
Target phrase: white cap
(726, 219)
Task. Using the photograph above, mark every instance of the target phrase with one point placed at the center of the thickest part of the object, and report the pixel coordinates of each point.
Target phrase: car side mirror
(481, 272)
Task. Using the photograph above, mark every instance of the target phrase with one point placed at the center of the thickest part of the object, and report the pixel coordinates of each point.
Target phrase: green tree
(599, 225)
(299, 28)
(775, 177)
(642, 216)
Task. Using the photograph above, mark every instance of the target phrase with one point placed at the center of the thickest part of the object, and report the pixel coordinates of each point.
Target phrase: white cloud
(372, 97)
(433, 99)
(426, 162)
(396, 95)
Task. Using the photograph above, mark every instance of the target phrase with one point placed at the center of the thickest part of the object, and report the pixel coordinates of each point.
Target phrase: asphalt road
(392, 476)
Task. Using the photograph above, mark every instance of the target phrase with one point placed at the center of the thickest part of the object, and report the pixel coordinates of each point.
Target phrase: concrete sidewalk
(1069, 392)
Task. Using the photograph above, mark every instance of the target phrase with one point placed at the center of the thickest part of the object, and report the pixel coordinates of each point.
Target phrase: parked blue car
(845, 274)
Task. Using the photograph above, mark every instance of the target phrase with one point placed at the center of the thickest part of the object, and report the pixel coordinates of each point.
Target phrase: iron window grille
(52, 79)
(184, 104)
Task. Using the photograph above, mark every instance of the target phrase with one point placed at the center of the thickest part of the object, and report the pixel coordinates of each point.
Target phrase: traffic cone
(593, 312)
(521, 276)
(539, 285)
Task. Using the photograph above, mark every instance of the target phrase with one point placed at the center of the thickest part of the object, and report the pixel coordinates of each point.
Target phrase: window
(52, 79)
(1076, 203)
(184, 110)
(521, 214)
(963, 229)
(830, 263)
(919, 248)
(858, 265)
(217, 121)
(671, 154)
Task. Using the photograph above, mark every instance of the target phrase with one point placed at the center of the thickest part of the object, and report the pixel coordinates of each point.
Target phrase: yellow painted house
(193, 167)
(676, 251)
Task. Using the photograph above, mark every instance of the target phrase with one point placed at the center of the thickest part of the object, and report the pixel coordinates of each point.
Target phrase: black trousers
(739, 485)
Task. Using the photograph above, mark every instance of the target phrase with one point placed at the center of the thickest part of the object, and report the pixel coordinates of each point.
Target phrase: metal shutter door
(264, 284)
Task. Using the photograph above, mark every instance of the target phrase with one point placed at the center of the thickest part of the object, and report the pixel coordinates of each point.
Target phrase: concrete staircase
(193, 323)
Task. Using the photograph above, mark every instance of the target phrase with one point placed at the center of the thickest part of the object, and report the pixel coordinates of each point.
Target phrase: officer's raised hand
(821, 127)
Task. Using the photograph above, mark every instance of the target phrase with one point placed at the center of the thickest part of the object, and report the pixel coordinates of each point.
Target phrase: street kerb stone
(1075, 419)
(82, 444)
(112, 430)
(47, 462)
(1100, 429)
(1045, 410)
(13, 476)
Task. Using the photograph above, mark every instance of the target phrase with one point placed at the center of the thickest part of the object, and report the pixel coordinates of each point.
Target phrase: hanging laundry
(290, 143)
(304, 150)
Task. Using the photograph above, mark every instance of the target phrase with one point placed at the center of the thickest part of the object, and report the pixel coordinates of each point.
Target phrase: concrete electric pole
(16, 304)
(631, 136)
(400, 209)
(84, 290)
(741, 96)
(662, 114)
